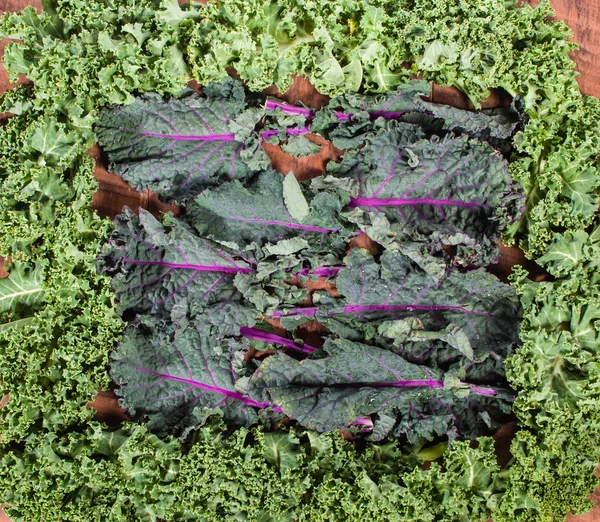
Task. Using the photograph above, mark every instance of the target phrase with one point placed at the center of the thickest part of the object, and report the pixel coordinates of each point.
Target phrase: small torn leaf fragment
(300, 146)
(295, 202)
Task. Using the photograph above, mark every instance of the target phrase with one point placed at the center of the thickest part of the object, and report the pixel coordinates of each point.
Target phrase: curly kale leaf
(267, 42)
(83, 56)
(57, 320)
(558, 363)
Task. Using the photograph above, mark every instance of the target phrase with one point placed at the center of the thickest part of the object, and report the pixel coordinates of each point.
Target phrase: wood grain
(12, 6)
(583, 17)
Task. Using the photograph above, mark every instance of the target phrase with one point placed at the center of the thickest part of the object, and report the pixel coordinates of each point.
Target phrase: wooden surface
(583, 18)
(582, 15)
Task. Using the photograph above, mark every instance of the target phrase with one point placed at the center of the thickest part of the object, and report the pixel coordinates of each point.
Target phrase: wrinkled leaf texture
(357, 380)
(166, 270)
(181, 146)
(258, 214)
(176, 378)
(23, 288)
(450, 191)
(374, 294)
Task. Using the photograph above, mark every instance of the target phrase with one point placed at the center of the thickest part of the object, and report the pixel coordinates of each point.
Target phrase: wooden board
(582, 15)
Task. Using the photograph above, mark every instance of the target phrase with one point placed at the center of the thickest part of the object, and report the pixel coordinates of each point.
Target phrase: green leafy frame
(60, 464)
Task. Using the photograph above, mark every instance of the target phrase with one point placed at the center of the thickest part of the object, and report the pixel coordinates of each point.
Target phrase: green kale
(82, 55)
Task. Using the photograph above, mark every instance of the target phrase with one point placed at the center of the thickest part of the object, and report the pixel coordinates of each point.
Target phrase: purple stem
(197, 384)
(261, 335)
(326, 271)
(397, 202)
(197, 268)
(343, 116)
(361, 421)
(269, 134)
(286, 108)
(297, 131)
(390, 115)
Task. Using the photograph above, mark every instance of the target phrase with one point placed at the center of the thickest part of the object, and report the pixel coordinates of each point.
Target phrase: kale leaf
(181, 146)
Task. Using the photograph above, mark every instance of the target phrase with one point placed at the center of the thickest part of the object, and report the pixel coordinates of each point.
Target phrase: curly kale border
(81, 54)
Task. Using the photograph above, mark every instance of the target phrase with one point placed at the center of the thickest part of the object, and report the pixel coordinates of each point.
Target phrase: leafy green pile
(129, 474)
(344, 46)
(178, 360)
(54, 342)
(417, 348)
(57, 318)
